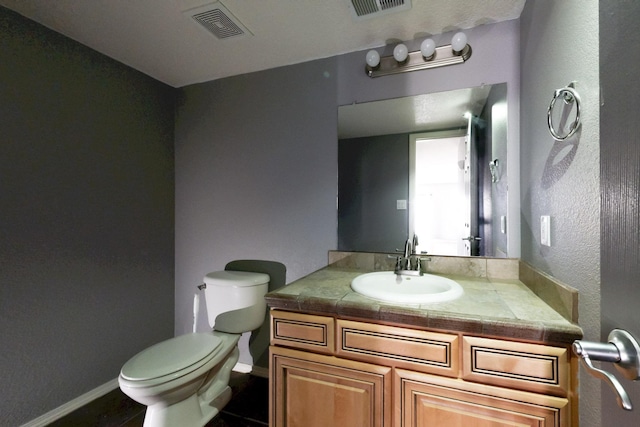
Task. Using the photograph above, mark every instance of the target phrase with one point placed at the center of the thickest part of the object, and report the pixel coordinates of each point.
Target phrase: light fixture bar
(443, 56)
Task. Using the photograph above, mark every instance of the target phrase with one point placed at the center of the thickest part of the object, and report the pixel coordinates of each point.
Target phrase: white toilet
(184, 381)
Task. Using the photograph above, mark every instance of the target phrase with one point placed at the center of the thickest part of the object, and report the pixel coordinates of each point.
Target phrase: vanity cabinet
(328, 371)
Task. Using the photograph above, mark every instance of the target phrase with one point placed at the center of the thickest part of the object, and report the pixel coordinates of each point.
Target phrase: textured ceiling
(157, 38)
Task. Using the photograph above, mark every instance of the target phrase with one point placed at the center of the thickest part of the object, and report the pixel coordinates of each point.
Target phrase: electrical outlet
(545, 230)
(401, 205)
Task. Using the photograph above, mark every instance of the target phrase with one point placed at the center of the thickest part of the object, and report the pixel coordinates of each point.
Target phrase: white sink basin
(388, 286)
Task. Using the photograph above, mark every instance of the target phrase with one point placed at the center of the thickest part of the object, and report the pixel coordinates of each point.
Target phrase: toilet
(184, 381)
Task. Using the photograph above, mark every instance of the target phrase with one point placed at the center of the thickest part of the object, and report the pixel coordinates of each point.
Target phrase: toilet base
(189, 412)
(199, 408)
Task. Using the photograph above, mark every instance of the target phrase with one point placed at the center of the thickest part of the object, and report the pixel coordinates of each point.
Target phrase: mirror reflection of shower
(375, 209)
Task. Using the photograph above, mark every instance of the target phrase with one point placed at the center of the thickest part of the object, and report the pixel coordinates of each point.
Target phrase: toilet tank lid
(235, 279)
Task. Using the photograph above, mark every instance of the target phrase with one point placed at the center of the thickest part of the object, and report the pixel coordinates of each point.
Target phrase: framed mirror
(434, 165)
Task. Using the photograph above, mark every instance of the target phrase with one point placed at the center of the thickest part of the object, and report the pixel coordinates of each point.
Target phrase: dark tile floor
(249, 407)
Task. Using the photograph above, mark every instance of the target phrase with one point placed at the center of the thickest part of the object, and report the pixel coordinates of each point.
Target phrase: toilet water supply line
(196, 306)
(196, 309)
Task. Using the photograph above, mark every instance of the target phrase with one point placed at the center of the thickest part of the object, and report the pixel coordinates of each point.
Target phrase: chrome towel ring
(568, 95)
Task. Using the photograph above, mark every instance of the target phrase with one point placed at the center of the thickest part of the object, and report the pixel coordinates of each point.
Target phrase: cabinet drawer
(537, 368)
(399, 347)
(305, 331)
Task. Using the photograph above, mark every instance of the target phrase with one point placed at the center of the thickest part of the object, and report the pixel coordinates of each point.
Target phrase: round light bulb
(373, 58)
(459, 41)
(400, 52)
(428, 48)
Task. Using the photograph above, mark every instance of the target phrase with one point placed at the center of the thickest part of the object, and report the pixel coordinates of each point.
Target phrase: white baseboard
(72, 405)
(245, 368)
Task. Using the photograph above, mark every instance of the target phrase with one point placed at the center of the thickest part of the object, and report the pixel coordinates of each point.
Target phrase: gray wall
(256, 176)
(372, 176)
(559, 42)
(86, 220)
(256, 157)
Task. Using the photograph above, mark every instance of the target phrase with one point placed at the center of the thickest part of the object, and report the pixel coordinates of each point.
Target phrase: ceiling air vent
(374, 8)
(216, 19)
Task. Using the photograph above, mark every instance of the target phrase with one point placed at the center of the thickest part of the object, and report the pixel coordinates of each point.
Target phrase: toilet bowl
(184, 381)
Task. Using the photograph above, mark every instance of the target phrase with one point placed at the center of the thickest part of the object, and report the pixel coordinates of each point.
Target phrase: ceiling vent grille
(217, 20)
(374, 8)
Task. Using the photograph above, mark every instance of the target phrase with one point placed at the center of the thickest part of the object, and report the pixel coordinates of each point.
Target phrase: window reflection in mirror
(439, 193)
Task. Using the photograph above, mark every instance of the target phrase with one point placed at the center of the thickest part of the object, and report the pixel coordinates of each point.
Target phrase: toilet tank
(235, 300)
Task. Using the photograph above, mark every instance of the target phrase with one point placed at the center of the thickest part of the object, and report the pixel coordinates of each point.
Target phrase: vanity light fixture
(400, 53)
(429, 56)
(373, 58)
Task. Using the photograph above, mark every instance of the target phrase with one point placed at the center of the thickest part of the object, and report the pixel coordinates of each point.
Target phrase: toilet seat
(172, 358)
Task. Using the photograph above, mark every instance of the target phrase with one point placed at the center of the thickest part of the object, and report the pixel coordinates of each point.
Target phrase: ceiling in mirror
(420, 113)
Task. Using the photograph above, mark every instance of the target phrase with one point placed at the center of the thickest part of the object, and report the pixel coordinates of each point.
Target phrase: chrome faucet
(408, 249)
(409, 263)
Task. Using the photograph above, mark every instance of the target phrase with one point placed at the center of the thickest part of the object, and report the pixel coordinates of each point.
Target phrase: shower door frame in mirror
(440, 205)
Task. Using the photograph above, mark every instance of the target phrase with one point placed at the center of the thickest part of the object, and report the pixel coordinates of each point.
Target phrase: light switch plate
(545, 230)
(401, 205)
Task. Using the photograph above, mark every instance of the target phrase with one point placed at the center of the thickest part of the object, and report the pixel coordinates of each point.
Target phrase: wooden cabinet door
(310, 390)
(431, 401)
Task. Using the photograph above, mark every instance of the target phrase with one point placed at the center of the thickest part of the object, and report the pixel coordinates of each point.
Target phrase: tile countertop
(491, 306)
